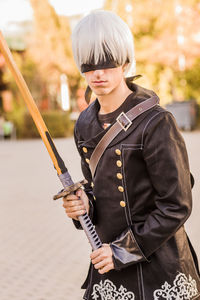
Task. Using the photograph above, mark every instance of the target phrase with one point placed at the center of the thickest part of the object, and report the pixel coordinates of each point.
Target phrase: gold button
(122, 203)
(121, 189)
(85, 150)
(94, 198)
(118, 152)
(92, 184)
(119, 175)
(87, 160)
(119, 163)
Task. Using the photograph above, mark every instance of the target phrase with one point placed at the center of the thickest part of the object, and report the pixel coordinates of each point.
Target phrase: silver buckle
(124, 121)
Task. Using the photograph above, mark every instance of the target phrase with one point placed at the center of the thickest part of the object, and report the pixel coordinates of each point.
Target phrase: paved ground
(42, 256)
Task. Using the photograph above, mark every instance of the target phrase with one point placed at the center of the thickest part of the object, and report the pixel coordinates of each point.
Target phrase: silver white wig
(103, 32)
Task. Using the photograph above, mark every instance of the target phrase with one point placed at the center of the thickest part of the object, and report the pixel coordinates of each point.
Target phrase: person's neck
(110, 102)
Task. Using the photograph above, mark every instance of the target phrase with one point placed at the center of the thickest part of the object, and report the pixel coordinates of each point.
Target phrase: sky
(19, 10)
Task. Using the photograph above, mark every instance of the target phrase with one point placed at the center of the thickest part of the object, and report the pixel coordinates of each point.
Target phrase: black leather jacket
(140, 199)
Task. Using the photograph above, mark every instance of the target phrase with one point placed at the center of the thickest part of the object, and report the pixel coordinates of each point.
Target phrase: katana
(62, 172)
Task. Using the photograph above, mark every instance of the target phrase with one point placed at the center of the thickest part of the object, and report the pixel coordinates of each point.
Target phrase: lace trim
(106, 290)
(183, 288)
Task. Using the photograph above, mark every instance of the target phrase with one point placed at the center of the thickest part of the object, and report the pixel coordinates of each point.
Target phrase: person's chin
(101, 91)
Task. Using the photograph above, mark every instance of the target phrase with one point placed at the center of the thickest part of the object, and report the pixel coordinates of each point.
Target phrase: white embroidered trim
(106, 290)
(183, 289)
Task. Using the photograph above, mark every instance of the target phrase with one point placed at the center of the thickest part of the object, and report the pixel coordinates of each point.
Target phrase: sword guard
(70, 189)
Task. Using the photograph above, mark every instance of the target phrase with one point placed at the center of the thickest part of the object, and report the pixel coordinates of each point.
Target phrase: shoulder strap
(123, 122)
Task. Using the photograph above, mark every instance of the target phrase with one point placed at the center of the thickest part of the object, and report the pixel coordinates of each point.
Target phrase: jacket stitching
(124, 145)
(139, 285)
(134, 149)
(142, 282)
(128, 213)
(129, 220)
(127, 208)
(142, 141)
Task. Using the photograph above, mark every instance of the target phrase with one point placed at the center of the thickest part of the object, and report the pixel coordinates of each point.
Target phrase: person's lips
(99, 82)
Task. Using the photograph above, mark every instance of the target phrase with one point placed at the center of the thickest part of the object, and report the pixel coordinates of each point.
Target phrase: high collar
(89, 128)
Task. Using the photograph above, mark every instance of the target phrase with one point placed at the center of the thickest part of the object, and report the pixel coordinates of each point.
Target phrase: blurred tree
(2, 83)
(34, 81)
(30, 73)
(167, 41)
(163, 33)
(58, 122)
(51, 47)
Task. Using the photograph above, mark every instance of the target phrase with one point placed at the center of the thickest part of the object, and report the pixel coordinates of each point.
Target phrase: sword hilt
(70, 189)
(86, 223)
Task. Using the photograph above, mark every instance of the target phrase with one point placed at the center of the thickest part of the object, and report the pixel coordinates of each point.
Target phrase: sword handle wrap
(85, 221)
(90, 231)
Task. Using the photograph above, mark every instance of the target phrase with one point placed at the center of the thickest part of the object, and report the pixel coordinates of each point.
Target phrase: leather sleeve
(87, 187)
(126, 251)
(167, 164)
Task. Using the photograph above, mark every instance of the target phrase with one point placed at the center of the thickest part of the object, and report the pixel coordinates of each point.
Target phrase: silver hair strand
(103, 31)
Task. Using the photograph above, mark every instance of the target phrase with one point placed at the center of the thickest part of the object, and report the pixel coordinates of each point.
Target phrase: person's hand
(76, 205)
(102, 259)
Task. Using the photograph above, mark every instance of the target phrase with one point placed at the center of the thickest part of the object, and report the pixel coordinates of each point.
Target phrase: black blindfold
(108, 64)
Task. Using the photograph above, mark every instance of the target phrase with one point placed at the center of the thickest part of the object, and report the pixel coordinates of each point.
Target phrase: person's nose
(98, 73)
